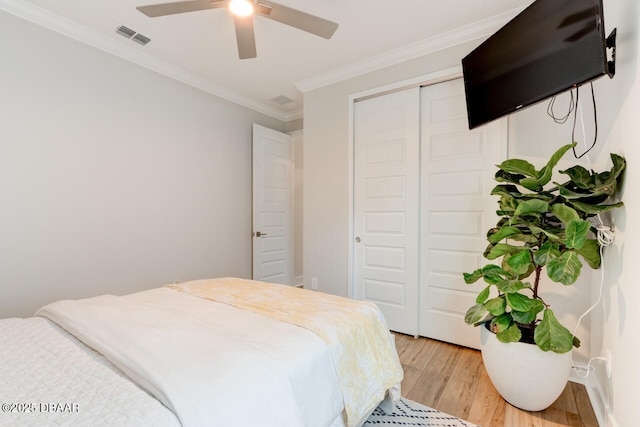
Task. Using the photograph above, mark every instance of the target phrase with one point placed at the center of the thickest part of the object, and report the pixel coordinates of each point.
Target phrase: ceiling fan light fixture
(241, 7)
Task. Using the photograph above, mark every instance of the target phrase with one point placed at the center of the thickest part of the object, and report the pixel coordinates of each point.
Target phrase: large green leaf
(503, 233)
(470, 278)
(505, 189)
(483, 295)
(474, 314)
(576, 233)
(502, 248)
(511, 334)
(507, 204)
(525, 237)
(564, 213)
(534, 206)
(555, 157)
(619, 164)
(520, 262)
(594, 209)
(543, 177)
(532, 184)
(496, 306)
(550, 335)
(550, 235)
(606, 182)
(501, 323)
(489, 270)
(570, 193)
(492, 269)
(564, 269)
(590, 251)
(510, 286)
(580, 176)
(504, 176)
(521, 302)
(525, 317)
(507, 268)
(518, 167)
(546, 252)
(492, 274)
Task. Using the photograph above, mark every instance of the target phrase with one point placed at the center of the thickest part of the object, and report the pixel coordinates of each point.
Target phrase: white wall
(615, 323)
(614, 326)
(113, 178)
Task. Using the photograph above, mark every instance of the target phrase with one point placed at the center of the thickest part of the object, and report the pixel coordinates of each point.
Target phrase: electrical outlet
(607, 357)
(314, 283)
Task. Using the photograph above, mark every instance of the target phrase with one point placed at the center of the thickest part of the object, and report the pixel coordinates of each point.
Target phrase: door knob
(358, 239)
(260, 234)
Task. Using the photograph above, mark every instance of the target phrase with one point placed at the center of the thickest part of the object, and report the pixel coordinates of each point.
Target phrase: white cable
(604, 234)
(605, 237)
(597, 301)
(575, 368)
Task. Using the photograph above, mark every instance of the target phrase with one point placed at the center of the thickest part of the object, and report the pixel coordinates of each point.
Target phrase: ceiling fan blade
(162, 9)
(245, 37)
(300, 20)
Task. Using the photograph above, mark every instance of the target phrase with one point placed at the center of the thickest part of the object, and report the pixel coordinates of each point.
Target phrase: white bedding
(166, 358)
(361, 348)
(283, 373)
(49, 378)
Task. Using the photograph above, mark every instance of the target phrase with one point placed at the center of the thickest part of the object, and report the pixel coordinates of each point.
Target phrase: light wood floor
(452, 379)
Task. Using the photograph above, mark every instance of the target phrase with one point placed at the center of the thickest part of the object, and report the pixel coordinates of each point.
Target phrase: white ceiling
(199, 48)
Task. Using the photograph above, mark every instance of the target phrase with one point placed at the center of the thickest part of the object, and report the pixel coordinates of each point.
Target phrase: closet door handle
(260, 234)
(358, 239)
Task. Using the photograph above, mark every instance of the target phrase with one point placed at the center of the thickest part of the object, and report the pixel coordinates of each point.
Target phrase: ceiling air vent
(282, 100)
(131, 34)
(139, 38)
(124, 31)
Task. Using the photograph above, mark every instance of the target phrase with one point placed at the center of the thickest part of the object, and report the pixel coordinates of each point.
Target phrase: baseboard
(597, 396)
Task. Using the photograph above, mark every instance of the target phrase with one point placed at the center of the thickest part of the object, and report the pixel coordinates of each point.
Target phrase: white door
(272, 206)
(458, 166)
(385, 223)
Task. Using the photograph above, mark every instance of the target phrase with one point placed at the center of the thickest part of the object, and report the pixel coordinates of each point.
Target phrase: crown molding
(292, 115)
(475, 31)
(59, 24)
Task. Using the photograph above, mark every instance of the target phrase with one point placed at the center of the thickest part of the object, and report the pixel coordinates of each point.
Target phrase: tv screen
(551, 46)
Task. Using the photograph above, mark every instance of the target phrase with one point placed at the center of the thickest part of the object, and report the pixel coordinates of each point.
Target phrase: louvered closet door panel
(457, 168)
(386, 180)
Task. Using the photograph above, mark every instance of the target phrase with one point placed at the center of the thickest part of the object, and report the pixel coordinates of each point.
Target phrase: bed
(217, 352)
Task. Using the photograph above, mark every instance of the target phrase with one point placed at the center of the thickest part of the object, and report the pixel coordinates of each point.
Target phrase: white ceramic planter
(525, 376)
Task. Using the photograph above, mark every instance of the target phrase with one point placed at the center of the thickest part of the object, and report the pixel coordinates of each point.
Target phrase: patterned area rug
(409, 413)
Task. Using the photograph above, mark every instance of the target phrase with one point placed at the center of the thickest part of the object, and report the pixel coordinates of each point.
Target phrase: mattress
(50, 378)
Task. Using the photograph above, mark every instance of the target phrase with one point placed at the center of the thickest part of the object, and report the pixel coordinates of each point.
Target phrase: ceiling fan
(243, 11)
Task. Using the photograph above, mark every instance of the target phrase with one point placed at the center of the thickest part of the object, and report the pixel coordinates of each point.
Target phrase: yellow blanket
(363, 354)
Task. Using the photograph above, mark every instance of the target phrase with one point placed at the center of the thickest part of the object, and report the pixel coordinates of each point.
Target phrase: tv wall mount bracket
(611, 44)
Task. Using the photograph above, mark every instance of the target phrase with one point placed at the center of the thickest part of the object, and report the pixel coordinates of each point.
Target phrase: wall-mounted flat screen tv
(551, 46)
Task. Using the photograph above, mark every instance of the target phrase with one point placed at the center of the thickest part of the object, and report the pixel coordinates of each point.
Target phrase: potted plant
(543, 225)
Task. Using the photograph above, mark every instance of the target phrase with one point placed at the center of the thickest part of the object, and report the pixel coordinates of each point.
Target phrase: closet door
(456, 210)
(386, 203)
